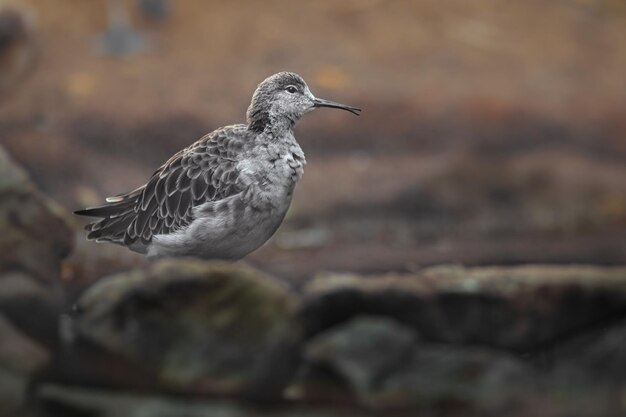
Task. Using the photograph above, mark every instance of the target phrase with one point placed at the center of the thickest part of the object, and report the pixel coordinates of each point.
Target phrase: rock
(35, 237)
(387, 368)
(32, 305)
(11, 176)
(363, 351)
(597, 359)
(199, 326)
(35, 233)
(473, 378)
(517, 308)
(20, 359)
(61, 401)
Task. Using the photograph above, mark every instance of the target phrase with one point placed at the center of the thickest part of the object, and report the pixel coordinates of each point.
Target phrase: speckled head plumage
(281, 99)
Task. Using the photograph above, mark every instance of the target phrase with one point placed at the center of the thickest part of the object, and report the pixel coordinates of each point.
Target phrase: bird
(226, 194)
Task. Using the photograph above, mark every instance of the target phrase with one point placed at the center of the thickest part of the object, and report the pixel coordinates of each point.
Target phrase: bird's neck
(281, 127)
(276, 127)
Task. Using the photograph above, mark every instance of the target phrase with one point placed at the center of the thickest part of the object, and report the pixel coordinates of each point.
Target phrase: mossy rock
(200, 326)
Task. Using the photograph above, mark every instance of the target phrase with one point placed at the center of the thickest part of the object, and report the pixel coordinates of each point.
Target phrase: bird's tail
(115, 218)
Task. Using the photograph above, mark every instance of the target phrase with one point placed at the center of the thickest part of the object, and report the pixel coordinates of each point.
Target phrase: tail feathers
(126, 196)
(114, 222)
(107, 210)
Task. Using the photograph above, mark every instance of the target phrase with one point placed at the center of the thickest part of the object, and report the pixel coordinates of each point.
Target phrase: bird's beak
(320, 102)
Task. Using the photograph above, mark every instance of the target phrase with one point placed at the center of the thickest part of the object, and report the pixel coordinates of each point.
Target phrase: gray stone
(386, 367)
(11, 175)
(364, 350)
(35, 232)
(199, 326)
(32, 305)
(479, 379)
(516, 308)
(597, 359)
(111, 404)
(20, 359)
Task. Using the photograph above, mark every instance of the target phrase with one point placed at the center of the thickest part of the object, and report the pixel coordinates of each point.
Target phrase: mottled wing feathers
(205, 171)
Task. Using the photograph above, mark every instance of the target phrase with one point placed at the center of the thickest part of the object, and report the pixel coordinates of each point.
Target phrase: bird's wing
(206, 171)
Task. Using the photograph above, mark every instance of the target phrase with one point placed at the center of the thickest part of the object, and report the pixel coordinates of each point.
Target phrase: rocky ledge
(528, 341)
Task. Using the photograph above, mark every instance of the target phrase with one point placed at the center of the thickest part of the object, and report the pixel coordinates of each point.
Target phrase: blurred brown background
(493, 132)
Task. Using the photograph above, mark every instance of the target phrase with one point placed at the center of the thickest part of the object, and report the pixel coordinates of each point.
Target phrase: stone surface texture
(201, 327)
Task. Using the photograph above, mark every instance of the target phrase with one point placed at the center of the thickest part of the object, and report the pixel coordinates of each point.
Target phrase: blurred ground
(492, 132)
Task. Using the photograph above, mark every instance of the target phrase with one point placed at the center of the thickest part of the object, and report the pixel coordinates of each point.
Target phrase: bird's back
(203, 172)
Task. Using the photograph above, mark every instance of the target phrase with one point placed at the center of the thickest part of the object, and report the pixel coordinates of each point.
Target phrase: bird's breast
(291, 166)
(275, 167)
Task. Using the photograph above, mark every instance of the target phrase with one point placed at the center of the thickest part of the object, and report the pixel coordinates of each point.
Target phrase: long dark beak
(320, 102)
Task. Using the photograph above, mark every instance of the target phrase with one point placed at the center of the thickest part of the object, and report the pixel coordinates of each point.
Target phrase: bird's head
(281, 99)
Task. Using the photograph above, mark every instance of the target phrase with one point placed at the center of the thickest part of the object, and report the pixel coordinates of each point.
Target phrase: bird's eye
(291, 89)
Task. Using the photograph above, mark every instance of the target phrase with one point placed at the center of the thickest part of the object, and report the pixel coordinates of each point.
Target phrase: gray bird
(226, 194)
